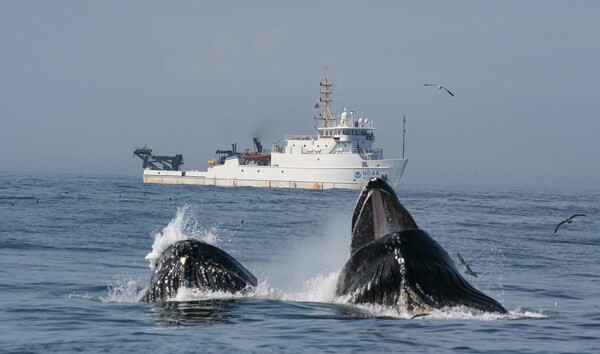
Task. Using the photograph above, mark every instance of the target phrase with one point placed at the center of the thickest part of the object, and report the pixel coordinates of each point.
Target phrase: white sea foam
(123, 289)
(452, 313)
(320, 288)
(192, 294)
(312, 262)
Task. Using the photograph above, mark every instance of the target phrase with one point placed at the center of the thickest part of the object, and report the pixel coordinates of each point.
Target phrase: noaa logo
(371, 173)
(366, 174)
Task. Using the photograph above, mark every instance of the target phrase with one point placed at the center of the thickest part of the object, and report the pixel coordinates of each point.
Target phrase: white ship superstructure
(340, 155)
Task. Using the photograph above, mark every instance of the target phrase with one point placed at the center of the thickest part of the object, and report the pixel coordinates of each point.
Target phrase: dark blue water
(73, 248)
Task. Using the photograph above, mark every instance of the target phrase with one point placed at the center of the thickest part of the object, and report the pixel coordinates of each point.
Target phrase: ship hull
(234, 174)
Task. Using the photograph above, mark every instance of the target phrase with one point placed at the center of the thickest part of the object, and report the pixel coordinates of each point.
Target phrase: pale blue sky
(82, 82)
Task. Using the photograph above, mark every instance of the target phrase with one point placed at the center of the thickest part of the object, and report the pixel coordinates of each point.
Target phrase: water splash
(124, 290)
(310, 260)
(192, 294)
(183, 226)
(321, 288)
(85, 297)
(452, 313)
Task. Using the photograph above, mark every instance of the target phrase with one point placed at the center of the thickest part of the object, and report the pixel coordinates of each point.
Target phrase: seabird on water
(567, 220)
(440, 87)
(469, 270)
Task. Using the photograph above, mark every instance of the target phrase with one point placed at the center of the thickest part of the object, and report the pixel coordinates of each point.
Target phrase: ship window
(281, 171)
(242, 170)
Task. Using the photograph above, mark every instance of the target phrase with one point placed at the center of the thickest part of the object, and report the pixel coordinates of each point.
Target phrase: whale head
(394, 263)
(377, 213)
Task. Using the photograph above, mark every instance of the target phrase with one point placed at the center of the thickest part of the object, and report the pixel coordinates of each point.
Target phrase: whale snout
(378, 212)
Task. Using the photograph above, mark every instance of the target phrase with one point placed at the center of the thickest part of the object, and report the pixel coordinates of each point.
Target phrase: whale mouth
(394, 263)
(378, 212)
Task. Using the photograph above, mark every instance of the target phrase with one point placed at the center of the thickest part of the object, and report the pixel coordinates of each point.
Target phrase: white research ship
(341, 155)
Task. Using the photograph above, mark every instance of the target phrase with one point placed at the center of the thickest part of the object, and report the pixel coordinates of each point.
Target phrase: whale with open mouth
(198, 266)
(394, 263)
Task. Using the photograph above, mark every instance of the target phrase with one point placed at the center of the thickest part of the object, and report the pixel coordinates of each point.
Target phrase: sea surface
(72, 267)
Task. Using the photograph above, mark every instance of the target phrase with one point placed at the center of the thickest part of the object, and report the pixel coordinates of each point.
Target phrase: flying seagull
(567, 220)
(469, 270)
(440, 87)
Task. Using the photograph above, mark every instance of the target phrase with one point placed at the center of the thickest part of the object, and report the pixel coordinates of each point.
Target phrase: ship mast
(326, 98)
(403, 133)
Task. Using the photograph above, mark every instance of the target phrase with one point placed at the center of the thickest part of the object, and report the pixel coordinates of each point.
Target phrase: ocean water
(73, 262)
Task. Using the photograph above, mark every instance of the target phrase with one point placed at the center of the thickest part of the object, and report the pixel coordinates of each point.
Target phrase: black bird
(469, 270)
(567, 220)
(440, 87)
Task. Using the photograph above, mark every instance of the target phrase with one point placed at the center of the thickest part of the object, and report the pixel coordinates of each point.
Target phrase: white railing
(300, 137)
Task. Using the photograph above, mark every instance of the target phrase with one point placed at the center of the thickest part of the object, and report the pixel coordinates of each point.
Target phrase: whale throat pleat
(410, 270)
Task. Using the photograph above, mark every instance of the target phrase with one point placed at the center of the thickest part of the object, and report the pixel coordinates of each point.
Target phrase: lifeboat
(256, 156)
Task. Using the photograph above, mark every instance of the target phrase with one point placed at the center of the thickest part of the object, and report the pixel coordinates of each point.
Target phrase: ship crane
(168, 163)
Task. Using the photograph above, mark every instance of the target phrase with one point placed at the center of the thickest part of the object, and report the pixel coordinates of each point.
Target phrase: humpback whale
(394, 263)
(196, 265)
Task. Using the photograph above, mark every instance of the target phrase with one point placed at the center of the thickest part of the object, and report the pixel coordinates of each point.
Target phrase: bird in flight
(567, 220)
(469, 270)
(440, 87)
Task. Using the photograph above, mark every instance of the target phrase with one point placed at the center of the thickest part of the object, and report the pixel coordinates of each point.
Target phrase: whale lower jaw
(408, 270)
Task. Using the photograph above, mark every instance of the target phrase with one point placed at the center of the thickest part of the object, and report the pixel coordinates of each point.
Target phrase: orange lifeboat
(256, 156)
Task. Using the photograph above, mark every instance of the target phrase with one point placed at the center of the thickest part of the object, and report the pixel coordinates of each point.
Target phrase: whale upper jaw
(378, 212)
